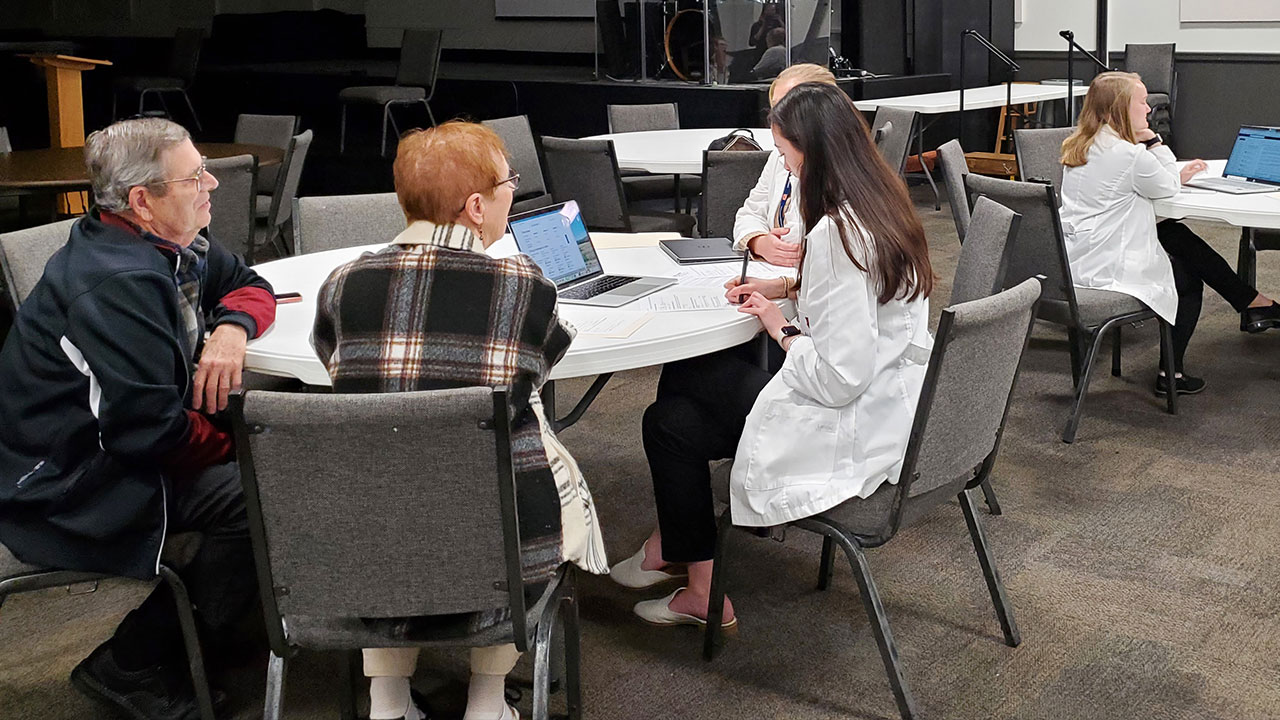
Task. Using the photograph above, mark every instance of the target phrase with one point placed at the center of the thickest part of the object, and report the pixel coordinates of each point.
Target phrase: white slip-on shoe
(628, 573)
(659, 612)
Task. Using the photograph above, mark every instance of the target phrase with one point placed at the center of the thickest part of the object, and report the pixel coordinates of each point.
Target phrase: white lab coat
(1109, 220)
(758, 213)
(834, 422)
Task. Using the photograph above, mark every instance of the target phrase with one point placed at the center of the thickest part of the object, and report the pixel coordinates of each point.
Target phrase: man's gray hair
(126, 154)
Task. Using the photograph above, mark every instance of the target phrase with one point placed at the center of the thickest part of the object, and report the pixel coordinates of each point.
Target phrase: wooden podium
(66, 109)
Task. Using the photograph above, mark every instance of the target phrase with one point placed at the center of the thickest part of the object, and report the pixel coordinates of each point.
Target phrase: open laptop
(1254, 165)
(557, 240)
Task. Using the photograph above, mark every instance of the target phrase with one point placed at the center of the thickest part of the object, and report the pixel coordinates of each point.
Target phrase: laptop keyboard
(599, 286)
(1225, 184)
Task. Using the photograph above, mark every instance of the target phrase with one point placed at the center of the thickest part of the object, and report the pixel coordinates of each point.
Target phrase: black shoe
(155, 693)
(1257, 319)
(1187, 385)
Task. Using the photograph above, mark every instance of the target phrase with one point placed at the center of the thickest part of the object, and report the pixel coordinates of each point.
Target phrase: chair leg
(573, 657)
(1115, 353)
(1073, 339)
(192, 109)
(826, 566)
(676, 191)
(542, 664)
(879, 626)
(989, 495)
(164, 104)
(191, 639)
(1166, 343)
(430, 115)
(349, 674)
(142, 97)
(715, 606)
(386, 116)
(998, 597)
(115, 101)
(276, 669)
(342, 131)
(1077, 407)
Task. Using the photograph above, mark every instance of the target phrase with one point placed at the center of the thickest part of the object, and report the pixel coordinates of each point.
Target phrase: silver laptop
(1254, 165)
(556, 239)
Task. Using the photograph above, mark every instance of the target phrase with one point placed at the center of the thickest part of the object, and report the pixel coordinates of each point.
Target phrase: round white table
(285, 348)
(675, 152)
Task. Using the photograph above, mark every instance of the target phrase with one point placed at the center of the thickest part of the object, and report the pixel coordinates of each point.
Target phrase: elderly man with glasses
(110, 381)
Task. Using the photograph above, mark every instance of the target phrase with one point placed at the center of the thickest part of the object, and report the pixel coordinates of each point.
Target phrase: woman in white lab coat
(833, 423)
(1115, 167)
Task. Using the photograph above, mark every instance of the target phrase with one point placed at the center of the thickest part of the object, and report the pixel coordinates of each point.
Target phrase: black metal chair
(1039, 152)
(642, 185)
(954, 167)
(518, 137)
(415, 83)
(954, 439)
(727, 179)
(181, 73)
(1157, 66)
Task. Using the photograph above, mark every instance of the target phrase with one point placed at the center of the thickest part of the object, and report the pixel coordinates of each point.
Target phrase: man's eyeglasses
(198, 177)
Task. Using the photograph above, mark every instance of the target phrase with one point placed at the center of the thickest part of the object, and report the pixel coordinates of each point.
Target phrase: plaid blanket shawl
(433, 314)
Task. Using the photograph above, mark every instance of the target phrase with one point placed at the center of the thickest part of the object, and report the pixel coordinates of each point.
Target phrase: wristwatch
(1153, 141)
(788, 331)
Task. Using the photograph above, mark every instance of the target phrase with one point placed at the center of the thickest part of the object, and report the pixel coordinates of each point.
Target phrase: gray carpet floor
(1143, 563)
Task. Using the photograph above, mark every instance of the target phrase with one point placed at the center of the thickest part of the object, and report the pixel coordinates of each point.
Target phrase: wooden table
(63, 169)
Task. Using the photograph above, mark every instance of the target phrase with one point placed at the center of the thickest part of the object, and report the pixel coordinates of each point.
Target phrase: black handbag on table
(736, 140)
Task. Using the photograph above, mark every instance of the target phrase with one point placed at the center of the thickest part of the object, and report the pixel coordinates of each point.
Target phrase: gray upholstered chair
(1039, 154)
(1155, 63)
(727, 179)
(272, 131)
(984, 260)
(340, 221)
(344, 527)
(892, 130)
(954, 167)
(587, 171)
(272, 219)
(5, 145)
(1089, 314)
(17, 577)
(954, 439)
(641, 185)
(518, 137)
(415, 83)
(181, 73)
(234, 203)
(24, 253)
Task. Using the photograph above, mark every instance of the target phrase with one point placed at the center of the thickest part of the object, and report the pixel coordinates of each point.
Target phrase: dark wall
(1217, 93)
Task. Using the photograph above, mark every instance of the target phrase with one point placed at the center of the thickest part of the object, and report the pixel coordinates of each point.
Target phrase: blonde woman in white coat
(768, 223)
(833, 423)
(1115, 167)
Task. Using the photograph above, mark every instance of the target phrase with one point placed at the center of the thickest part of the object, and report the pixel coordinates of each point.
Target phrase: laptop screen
(1256, 155)
(557, 240)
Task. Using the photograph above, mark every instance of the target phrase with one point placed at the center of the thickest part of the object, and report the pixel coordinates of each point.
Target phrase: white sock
(389, 699)
(486, 698)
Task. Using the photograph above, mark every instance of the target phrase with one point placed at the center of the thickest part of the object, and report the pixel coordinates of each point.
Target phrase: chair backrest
(5, 145)
(24, 253)
(984, 258)
(1038, 248)
(635, 118)
(892, 129)
(963, 403)
(727, 179)
(339, 221)
(518, 137)
(1154, 63)
(186, 54)
(271, 130)
(587, 171)
(420, 59)
(954, 168)
(381, 504)
(233, 204)
(287, 181)
(1039, 152)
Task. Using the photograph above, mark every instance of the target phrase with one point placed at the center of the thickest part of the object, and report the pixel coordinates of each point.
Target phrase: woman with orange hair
(1115, 167)
(419, 315)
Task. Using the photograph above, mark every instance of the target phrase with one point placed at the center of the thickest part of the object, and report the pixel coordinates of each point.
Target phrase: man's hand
(221, 364)
(774, 249)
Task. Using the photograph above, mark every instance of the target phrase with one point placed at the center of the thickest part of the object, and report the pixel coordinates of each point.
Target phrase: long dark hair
(845, 178)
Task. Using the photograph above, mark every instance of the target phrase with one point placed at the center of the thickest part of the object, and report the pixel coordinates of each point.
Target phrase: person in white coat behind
(1115, 166)
(833, 423)
(768, 223)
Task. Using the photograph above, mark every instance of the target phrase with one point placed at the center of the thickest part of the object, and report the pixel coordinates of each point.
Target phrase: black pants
(220, 579)
(1195, 264)
(698, 416)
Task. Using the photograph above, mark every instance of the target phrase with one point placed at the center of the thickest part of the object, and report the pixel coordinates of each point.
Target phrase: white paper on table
(616, 324)
(714, 275)
(679, 302)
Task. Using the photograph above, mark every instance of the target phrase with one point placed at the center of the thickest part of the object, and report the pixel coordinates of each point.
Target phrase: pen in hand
(746, 258)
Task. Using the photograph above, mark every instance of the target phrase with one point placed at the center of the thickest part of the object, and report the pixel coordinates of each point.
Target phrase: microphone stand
(1072, 46)
(992, 49)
